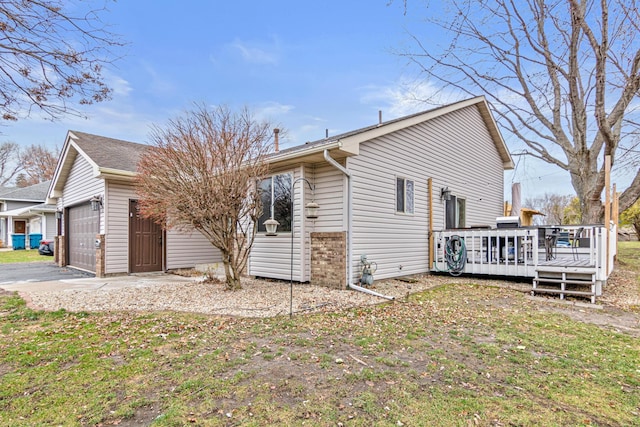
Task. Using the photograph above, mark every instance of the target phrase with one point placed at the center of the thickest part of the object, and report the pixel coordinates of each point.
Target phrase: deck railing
(519, 251)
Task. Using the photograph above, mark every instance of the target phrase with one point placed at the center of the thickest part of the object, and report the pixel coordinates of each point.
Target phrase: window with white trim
(275, 193)
(404, 195)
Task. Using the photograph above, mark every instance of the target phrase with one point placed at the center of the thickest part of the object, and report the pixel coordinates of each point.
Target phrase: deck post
(431, 250)
(607, 204)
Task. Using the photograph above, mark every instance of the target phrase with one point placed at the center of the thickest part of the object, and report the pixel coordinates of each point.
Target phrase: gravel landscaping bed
(258, 298)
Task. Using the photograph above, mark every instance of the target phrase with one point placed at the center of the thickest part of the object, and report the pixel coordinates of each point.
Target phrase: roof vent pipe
(276, 142)
(379, 117)
(326, 133)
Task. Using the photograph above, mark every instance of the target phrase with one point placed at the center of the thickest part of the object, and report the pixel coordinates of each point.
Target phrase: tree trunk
(232, 278)
(630, 195)
(588, 181)
(636, 227)
(230, 272)
(592, 209)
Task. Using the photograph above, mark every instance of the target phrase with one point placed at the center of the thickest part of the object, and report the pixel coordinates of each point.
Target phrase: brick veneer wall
(100, 256)
(60, 251)
(328, 263)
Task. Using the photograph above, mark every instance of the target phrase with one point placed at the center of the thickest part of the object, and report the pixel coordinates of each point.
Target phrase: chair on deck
(575, 243)
(550, 244)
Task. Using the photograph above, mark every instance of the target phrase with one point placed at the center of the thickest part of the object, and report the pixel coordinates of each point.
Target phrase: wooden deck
(559, 260)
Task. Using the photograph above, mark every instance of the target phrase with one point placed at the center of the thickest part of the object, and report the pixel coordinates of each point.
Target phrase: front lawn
(25, 255)
(457, 355)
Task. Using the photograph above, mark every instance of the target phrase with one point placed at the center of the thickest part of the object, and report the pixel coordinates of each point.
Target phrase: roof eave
(279, 158)
(21, 200)
(494, 131)
(115, 174)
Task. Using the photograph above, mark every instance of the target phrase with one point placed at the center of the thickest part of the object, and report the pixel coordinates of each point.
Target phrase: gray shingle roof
(33, 192)
(109, 152)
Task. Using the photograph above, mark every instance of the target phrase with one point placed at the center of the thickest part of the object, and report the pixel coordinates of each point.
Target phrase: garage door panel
(83, 226)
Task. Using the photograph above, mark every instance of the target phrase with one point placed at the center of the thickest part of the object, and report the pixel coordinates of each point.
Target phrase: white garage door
(82, 228)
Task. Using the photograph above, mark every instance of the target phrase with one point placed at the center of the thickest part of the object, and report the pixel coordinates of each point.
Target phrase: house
(101, 230)
(25, 217)
(382, 190)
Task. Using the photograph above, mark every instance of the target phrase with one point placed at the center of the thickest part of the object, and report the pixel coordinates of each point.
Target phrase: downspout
(346, 172)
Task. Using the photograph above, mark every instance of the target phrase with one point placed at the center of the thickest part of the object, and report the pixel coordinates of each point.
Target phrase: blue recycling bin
(34, 240)
(17, 241)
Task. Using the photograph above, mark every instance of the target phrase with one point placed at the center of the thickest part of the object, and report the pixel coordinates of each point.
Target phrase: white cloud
(257, 53)
(271, 110)
(120, 86)
(407, 97)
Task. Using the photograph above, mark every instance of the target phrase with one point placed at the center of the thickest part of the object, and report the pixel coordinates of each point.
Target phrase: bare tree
(201, 174)
(51, 56)
(38, 164)
(9, 164)
(553, 206)
(561, 76)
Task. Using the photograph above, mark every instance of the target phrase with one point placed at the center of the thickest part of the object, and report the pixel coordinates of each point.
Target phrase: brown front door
(19, 227)
(145, 242)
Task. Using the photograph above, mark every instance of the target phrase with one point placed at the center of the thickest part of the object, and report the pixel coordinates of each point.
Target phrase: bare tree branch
(9, 164)
(51, 59)
(201, 174)
(560, 75)
(38, 164)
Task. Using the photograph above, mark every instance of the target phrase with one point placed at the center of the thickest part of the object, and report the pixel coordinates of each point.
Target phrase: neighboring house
(24, 214)
(381, 191)
(101, 229)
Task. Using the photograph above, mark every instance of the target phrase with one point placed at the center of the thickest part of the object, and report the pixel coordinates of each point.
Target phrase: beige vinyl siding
(454, 150)
(50, 228)
(330, 195)
(185, 250)
(117, 230)
(81, 186)
(271, 255)
(11, 205)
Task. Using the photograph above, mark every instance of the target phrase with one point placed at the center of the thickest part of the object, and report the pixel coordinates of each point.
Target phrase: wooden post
(615, 199)
(430, 190)
(607, 206)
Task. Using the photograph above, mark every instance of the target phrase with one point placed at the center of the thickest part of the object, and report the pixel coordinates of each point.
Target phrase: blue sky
(308, 66)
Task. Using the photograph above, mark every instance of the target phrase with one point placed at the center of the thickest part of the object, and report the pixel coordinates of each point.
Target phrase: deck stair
(564, 283)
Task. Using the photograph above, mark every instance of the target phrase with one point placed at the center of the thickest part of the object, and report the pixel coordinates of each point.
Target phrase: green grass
(26, 255)
(629, 253)
(458, 355)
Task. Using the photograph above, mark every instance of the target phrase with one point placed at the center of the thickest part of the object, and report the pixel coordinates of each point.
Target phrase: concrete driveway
(37, 272)
(46, 276)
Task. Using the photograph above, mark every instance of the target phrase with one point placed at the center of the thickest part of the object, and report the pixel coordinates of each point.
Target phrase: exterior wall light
(445, 193)
(312, 210)
(271, 225)
(96, 203)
